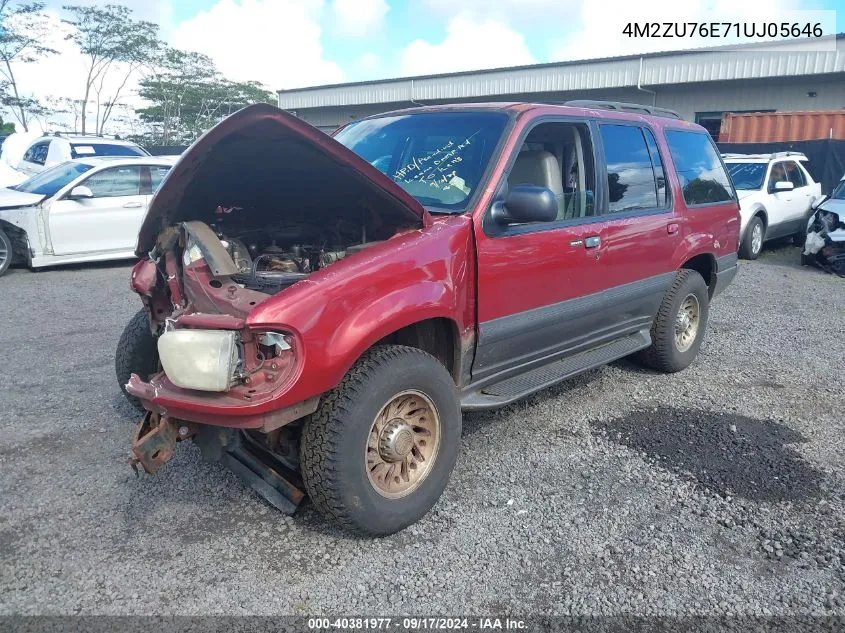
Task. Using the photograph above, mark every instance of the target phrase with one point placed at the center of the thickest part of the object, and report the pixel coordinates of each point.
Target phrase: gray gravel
(718, 490)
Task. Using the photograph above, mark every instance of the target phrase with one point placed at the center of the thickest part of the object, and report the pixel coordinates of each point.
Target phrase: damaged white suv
(825, 243)
(776, 195)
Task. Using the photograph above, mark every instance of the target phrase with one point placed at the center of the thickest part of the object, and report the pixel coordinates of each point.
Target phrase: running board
(516, 387)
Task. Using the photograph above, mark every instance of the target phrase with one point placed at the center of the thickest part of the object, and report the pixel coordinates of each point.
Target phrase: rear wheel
(678, 329)
(755, 235)
(6, 252)
(379, 451)
(137, 353)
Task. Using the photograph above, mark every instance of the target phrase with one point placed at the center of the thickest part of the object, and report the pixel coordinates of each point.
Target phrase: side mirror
(818, 202)
(784, 185)
(80, 192)
(526, 203)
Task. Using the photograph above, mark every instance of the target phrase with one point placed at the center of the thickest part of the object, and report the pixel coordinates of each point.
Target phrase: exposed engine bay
(269, 258)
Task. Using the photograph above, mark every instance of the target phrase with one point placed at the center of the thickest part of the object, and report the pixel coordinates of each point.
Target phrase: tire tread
(320, 445)
(659, 355)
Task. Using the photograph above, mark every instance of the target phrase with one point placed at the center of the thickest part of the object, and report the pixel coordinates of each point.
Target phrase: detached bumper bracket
(258, 468)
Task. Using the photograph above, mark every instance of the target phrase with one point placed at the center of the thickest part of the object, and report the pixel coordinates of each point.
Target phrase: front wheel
(678, 328)
(137, 353)
(378, 453)
(755, 235)
(6, 252)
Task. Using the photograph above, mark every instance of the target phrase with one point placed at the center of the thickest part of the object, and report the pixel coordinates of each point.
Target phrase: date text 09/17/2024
(417, 623)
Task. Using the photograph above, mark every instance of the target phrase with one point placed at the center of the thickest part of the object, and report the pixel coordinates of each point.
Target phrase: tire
(341, 448)
(750, 248)
(136, 353)
(666, 352)
(7, 253)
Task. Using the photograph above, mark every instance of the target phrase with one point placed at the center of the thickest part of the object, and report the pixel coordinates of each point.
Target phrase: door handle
(593, 241)
(133, 205)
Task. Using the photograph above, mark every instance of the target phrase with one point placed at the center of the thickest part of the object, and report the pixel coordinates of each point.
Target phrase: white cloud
(157, 11)
(598, 28)
(63, 75)
(468, 45)
(520, 13)
(359, 17)
(368, 62)
(276, 42)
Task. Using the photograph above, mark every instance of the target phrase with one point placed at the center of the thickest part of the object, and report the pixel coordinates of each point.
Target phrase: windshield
(82, 150)
(439, 158)
(49, 181)
(747, 175)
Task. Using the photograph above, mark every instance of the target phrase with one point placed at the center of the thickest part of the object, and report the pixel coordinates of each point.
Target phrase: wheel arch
(19, 239)
(760, 211)
(438, 336)
(705, 265)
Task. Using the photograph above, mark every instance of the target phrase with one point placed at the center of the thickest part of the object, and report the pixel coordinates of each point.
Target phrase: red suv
(319, 310)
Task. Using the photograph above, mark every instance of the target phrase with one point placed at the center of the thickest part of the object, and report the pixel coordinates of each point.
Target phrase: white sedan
(84, 210)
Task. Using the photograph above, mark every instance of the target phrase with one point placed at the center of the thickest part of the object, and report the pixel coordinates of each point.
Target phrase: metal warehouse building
(699, 84)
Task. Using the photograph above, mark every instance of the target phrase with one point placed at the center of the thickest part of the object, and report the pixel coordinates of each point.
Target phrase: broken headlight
(205, 360)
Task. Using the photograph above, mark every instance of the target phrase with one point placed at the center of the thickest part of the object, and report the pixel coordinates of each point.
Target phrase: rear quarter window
(703, 179)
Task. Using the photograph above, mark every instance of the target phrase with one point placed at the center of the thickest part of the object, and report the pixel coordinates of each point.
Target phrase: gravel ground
(719, 490)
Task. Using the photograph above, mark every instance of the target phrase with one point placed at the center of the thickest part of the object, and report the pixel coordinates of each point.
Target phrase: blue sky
(353, 40)
(294, 43)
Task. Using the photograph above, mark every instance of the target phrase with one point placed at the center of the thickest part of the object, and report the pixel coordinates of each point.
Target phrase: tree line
(182, 93)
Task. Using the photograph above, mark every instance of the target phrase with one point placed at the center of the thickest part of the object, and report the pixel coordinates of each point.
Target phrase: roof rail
(621, 106)
(61, 133)
(766, 155)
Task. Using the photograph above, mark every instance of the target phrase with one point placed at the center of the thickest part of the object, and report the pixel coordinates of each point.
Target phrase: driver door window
(778, 174)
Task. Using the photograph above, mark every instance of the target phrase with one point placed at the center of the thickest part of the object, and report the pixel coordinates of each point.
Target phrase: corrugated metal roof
(655, 69)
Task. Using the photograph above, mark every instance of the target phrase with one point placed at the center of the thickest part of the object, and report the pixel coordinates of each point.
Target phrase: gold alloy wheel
(686, 323)
(403, 444)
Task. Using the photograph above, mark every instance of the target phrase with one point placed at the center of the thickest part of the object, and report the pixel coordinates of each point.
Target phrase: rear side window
(633, 180)
(37, 153)
(811, 169)
(794, 174)
(703, 179)
(157, 174)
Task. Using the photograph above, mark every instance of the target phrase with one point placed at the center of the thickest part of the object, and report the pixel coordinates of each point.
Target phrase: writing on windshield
(438, 168)
(440, 158)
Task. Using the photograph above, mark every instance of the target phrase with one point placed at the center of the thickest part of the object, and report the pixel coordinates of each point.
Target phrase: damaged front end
(825, 242)
(261, 203)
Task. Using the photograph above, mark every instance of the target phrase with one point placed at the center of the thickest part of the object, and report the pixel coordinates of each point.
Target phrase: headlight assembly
(205, 360)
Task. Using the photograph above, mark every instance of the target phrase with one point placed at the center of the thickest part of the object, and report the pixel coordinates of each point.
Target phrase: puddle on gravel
(727, 453)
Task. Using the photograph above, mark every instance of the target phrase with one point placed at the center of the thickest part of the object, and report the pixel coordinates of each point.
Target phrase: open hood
(263, 157)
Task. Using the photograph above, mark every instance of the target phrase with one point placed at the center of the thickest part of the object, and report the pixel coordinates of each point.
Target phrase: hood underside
(263, 158)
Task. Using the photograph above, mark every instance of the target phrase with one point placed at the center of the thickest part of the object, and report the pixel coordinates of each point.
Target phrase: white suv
(776, 193)
(57, 148)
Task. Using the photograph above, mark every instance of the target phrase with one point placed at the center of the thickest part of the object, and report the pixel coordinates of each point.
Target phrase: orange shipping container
(767, 127)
